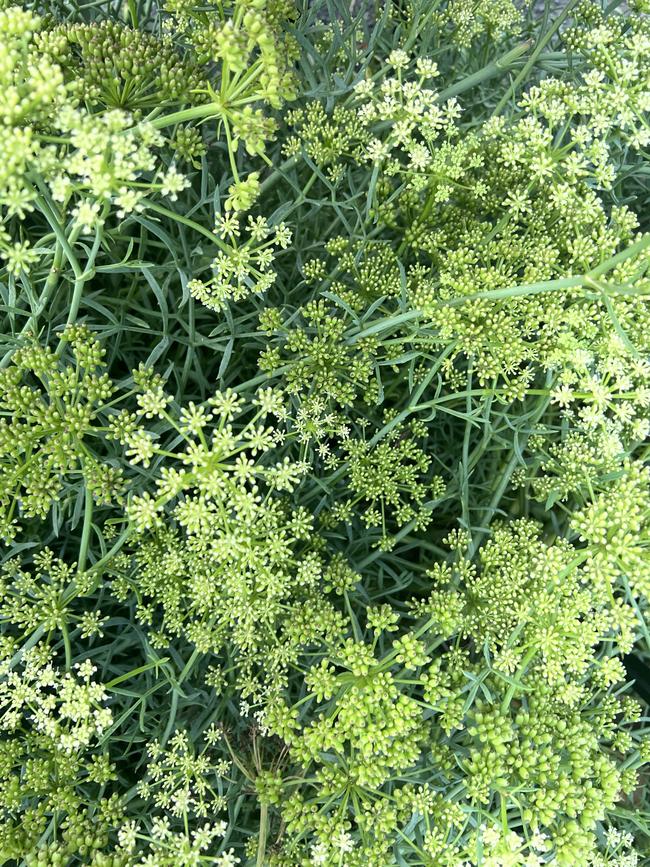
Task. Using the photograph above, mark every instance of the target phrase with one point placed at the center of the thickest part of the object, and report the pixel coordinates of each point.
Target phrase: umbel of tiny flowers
(97, 61)
(180, 782)
(52, 406)
(51, 722)
(251, 52)
(437, 190)
(318, 347)
(246, 54)
(41, 599)
(244, 264)
(63, 163)
(220, 554)
(529, 733)
(388, 482)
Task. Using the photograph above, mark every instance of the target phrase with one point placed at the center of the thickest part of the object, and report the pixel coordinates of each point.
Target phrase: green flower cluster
(62, 161)
(503, 696)
(51, 723)
(114, 66)
(222, 558)
(49, 412)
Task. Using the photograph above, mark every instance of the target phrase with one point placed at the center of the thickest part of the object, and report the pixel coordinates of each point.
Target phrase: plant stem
(179, 218)
(264, 829)
(85, 532)
(50, 284)
(541, 45)
(207, 111)
(67, 646)
(496, 67)
(530, 654)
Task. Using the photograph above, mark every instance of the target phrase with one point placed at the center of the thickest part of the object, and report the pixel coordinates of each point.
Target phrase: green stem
(618, 258)
(67, 646)
(261, 843)
(50, 284)
(140, 670)
(504, 477)
(59, 231)
(277, 174)
(179, 218)
(577, 281)
(85, 532)
(541, 45)
(188, 666)
(208, 111)
(81, 281)
(231, 151)
(505, 704)
(496, 67)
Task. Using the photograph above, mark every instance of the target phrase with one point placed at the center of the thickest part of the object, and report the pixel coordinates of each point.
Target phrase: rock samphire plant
(324, 433)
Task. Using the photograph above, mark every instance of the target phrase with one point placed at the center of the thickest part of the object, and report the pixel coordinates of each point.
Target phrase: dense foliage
(324, 430)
